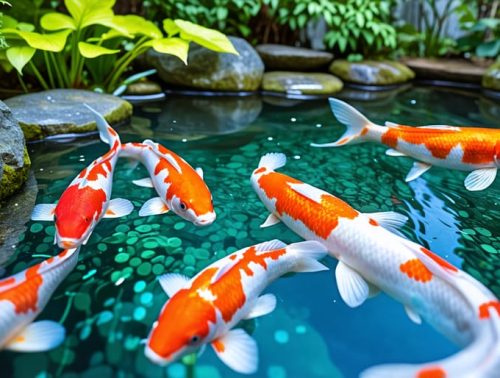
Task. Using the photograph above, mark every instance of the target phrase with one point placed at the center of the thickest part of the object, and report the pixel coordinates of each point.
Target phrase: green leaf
(24, 26)
(20, 56)
(91, 51)
(90, 12)
(299, 9)
(209, 38)
(135, 25)
(54, 42)
(57, 21)
(173, 46)
(360, 19)
(170, 27)
(9, 22)
(489, 49)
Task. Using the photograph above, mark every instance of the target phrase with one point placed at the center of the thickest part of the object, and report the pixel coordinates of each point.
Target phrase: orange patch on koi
(484, 312)
(432, 372)
(416, 270)
(219, 346)
(7, 281)
(260, 170)
(373, 222)
(24, 296)
(442, 262)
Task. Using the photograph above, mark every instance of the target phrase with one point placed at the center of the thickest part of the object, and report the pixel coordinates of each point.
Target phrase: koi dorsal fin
(270, 245)
(166, 156)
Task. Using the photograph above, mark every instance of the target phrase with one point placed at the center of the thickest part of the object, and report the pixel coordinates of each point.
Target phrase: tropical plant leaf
(209, 38)
(54, 42)
(91, 51)
(57, 21)
(20, 56)
(90, 12)
(135, 25)
(170, 27)
(173, 46)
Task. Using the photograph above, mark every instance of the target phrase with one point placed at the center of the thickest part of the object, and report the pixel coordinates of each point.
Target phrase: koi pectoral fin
(271, 220)
(417, 170)
(390, 220)
(118, 207)
(154, 206)
(480, 179)
(145, 182)
(171, 283)
(393, 152)
(38, 337)
(413, 315)
(353, 288)
(43, 212)
(237, 350)
(264, 305)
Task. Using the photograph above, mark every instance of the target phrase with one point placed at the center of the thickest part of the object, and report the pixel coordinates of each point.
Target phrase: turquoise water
(109, 302)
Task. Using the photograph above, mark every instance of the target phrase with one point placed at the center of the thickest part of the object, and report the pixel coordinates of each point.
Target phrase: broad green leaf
(170, 27)
(209, 38)
(173, 46)
(135, 25)
(9, 22)
(91, 51)
(489, 49)
(90, 12)
(24, 26)
(48, 42)
(20, 56)
(57, 21)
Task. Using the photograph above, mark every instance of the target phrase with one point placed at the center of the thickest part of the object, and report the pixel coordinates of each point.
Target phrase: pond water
(109, 302)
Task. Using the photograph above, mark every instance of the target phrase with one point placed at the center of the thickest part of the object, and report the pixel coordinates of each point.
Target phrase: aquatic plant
(93, 47)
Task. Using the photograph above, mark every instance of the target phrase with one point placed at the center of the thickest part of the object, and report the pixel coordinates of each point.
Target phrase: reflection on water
(109, 302)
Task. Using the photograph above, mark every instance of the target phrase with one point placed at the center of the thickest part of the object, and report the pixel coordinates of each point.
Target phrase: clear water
(109, 302)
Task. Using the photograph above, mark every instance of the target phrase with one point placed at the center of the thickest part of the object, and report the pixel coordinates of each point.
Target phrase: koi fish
(180, 187)
(372, 257)
(24, 295)
(88, 198)
(205, 309)
(472, 149)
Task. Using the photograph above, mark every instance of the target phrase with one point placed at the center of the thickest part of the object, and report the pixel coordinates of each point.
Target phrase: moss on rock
(14, 177)
(491, 78)
(372, 72)
(301, 83)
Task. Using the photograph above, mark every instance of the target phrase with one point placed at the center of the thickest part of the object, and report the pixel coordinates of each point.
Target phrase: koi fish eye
(183, 206)
(86, 219)
(194, 339)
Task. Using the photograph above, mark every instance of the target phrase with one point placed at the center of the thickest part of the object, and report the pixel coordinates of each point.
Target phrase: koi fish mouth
(205, 219)
(156, 358)
(67, 243)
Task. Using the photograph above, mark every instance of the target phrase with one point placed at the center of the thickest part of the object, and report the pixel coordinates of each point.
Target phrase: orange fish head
(182, 328)
(195, 204)
(74, 229)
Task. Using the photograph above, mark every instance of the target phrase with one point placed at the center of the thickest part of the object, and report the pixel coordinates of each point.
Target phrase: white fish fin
(118, 207)
(390, 220)
(271, 220)
(237, 350)
(393, 152)
(307, 253)
(153, 206)
(38, 337)
(272, 161)
(480, 179)
(167, 156)
(353, 288)
(308, 191)
(352, 119)
(43, 212)
(199, 171)
(265, 305)
(171, 283)
(391, 124)
(440, 127)
(145, 182)
(417, 170)
(412, 314)
(202, 350)
(270, 245)
(105, 131)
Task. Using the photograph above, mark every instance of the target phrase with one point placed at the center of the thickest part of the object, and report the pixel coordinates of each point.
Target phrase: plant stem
(49, 70)
(21, 81)
(64, 68)
(60, 79)
(39, 76)
(119, 69)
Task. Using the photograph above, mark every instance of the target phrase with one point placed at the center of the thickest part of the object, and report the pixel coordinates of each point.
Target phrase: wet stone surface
(110, 301)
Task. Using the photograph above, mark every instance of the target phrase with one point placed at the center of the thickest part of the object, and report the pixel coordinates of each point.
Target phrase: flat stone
(446, 69)
(61, 111)
(372, 72)
(210, 70)
(491, 78)
(281, 57)
(301, 83)
(14, 159)
(145, 87)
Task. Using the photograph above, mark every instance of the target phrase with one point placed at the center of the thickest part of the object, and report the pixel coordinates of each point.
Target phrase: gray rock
(61, 111)
(491, 78)
(14, 160)
(144, 88)
(372, 72)
(14, 214)
(446, 69)
(301, 83)
(210, 70)
(281, 57)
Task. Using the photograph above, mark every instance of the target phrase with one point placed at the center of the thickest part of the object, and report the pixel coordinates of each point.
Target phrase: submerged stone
(372, 72)
(281, 57)
(61, 111)
(301, 83)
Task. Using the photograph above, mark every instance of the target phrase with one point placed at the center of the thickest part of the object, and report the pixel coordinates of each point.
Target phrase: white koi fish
(180, 187)
(88, 198)
(205, 309)
(24, 295)
(472, 149)
(372, 258)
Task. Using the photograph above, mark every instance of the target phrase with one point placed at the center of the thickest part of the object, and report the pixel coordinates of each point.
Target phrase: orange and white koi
(88, 198)
(205, 309)
(24, 295)
(180, 187)
(372, 258)
(472, 149)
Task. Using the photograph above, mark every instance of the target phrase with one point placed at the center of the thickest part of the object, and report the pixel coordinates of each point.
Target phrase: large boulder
(446, 69)
(281, 57)
(491, 78)
(210, 70)
(14, 159)
(301, 83)
(61, 111)
(372, 72)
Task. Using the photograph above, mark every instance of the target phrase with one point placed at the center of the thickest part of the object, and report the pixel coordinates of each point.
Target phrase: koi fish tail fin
(306, 255)
(272, 161)
(107, 134)
(357, 124)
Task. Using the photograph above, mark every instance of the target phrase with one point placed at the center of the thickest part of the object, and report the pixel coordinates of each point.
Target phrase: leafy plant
(91, 46)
